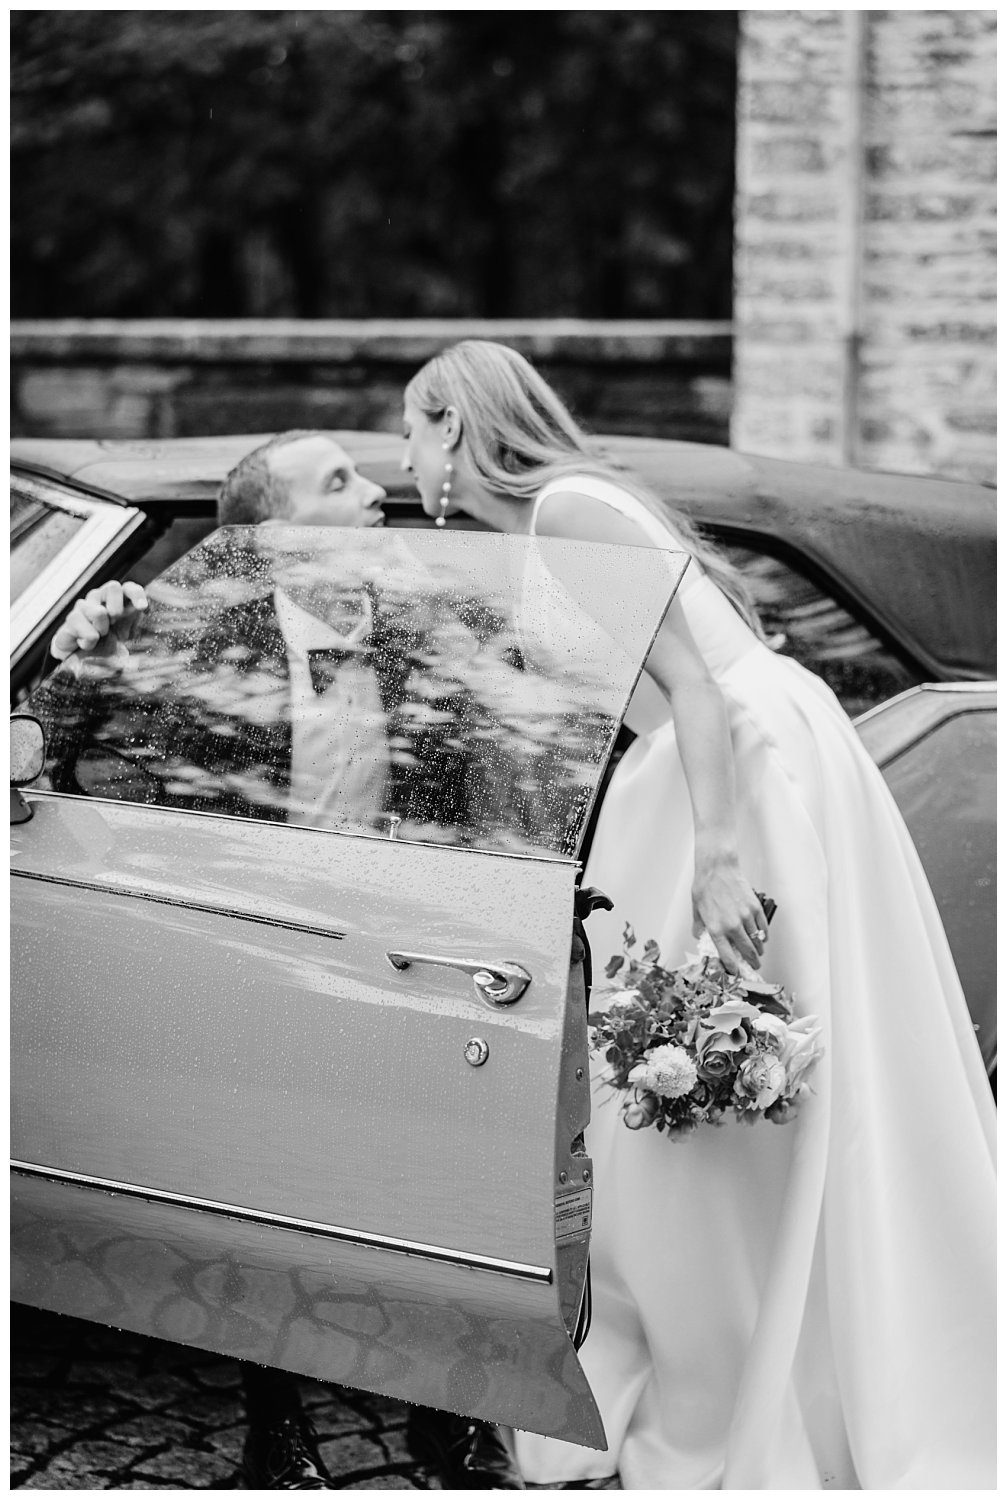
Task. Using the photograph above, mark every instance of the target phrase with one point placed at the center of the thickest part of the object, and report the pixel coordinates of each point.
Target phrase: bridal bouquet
(688, 1045)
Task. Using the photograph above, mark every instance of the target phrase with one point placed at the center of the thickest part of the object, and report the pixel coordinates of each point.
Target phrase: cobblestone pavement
(93, 1408)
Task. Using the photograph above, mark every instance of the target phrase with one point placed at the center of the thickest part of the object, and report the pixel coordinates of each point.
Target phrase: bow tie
(323, 665)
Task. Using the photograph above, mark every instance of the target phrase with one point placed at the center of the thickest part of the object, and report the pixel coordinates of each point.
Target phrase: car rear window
(805, 622)
(461, 688)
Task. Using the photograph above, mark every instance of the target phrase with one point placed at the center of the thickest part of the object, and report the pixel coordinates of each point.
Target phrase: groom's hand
(101, 622)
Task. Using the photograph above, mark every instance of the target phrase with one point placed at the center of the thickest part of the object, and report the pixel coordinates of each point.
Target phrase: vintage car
(313, 1091)
(877, 581)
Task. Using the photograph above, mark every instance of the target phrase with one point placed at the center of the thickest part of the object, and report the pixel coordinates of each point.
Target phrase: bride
(802, 1306)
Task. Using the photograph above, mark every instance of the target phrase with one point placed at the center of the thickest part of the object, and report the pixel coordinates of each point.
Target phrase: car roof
(159, 470)
(913, 554)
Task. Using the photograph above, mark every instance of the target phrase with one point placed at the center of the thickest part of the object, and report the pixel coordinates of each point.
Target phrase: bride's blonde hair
(519, 436)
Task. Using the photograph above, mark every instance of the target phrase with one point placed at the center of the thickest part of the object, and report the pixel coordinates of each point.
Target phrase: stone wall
(175, 378)
(865, 258)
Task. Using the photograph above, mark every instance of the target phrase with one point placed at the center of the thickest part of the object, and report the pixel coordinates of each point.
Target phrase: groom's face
(323, 485)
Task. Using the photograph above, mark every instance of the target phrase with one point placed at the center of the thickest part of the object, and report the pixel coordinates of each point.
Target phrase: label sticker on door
(573, 1214)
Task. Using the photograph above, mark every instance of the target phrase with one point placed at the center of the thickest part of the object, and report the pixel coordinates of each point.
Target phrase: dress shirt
(339, 737)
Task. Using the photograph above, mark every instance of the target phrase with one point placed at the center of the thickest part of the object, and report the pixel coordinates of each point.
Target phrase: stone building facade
(865, 251)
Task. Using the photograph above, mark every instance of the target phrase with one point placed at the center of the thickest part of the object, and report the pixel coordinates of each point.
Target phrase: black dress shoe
(283, 1455)
(460, 1453)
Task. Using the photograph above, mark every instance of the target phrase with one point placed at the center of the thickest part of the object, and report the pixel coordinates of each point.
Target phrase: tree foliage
(372, 163)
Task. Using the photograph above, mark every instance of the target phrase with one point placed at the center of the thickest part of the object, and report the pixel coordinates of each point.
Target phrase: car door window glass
(458, 689)
(39, 530)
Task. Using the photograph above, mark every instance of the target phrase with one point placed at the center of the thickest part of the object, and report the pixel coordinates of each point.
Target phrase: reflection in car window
(460, 689)
(809, 625)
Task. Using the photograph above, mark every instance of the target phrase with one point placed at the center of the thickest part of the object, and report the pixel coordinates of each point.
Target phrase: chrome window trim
(297, 828)
(945, 701)
(214, 908)
(970, 685)
(469, 1260)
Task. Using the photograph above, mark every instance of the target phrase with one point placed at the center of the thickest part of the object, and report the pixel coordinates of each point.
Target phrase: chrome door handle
(497, 984)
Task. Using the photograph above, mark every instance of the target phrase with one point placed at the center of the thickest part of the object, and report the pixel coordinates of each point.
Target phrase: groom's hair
(252, 491)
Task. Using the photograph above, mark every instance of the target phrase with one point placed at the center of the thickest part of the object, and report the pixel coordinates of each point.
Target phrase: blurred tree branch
(372, 163)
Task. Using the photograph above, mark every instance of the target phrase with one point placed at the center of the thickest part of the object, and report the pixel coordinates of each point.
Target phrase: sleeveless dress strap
(613, 495)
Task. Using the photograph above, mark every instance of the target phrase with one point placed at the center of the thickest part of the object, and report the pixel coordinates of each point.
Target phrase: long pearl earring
(449, 469)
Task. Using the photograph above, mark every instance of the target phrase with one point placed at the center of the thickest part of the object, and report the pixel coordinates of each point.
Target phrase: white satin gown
(808, 1305)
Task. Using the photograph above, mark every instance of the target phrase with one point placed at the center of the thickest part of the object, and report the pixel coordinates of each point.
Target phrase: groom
(297, 695)
(305, 478)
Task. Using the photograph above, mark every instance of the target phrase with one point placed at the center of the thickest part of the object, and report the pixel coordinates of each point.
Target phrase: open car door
(299, 1061)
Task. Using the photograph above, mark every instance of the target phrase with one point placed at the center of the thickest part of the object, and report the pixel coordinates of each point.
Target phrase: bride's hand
(726, 906)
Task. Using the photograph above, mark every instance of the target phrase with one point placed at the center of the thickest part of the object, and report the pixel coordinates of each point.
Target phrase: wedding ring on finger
(760, 934)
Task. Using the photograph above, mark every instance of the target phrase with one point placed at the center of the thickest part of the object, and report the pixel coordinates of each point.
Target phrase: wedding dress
(808, 1305)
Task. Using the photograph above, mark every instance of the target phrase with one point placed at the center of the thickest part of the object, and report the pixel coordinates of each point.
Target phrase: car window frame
(107, 524)
(827, 575)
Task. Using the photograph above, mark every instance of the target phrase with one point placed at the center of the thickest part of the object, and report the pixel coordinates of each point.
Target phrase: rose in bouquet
(690, 1045)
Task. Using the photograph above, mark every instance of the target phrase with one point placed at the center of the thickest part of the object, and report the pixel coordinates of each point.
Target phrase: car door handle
(495, 983)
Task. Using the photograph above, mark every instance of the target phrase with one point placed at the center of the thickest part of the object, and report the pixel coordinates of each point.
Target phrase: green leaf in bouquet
(651, 952)
(773, 1005)
(649, 985)
(628, 937)
(614, 964)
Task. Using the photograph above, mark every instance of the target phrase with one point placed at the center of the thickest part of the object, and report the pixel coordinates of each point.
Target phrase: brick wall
(865, 258)
(174, 378)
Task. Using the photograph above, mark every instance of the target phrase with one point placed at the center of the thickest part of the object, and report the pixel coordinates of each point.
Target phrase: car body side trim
(109, 889)
(359, 1237)
(544, 858)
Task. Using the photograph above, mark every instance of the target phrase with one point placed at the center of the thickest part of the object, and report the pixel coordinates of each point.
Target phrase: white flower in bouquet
(801, 1049)
(641, 1112)
(724, 1028)
(775, 1027)
(761, 1080)
(667, 1071)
